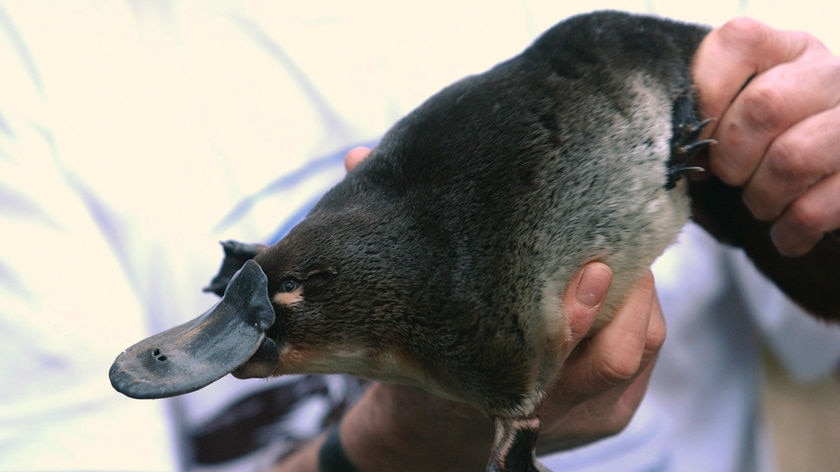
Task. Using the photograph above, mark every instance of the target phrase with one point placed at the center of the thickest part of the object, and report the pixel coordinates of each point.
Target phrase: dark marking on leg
(514, 445)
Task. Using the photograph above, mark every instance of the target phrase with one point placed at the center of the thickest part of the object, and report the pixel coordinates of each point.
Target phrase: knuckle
(788, 168)
(733, 169)
(830, 64)
(790, 242)
(807, 215)
(618, 369)
(744, 32)
(620, 423)
(764, 103)
(813, 44)
(788, 157)
(758, 202)
(654, 342)
(614, 425)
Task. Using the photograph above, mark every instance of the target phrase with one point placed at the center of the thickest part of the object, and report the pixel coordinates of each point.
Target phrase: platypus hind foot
(514, 445)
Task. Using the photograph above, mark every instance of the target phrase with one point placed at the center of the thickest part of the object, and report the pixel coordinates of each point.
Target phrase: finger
(621, 400)
(656, 331)
(583, 299)
(596, 417)
(619, 348)
(795, 161)
(592, 413)
(731, 54)
(631, 396)
(617, 405)
(769, 105)
(616, 352)
(807, 219)
(355, 156)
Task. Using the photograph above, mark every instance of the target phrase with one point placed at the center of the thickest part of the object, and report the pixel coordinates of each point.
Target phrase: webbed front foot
(236, 255)
(686, 142)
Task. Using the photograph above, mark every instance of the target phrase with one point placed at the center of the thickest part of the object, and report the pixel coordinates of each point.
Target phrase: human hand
(779, 137)
(605, 377)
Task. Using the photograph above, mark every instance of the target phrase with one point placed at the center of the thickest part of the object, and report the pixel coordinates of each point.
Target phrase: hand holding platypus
(440, 261)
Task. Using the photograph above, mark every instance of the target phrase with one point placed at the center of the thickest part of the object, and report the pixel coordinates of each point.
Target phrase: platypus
(440, 260)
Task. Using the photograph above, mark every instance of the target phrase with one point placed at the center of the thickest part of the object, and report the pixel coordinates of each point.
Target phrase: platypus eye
(289, 285)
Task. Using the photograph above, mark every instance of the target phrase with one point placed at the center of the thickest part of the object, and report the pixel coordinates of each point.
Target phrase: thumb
(355, 156)
(584, 297)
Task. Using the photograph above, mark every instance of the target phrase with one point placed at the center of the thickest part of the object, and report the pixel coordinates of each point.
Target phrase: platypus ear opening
(190, 356)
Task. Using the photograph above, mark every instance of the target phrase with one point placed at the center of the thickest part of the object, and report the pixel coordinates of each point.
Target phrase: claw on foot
(686, 142)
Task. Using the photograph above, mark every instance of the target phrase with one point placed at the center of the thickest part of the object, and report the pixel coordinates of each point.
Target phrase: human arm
(775, 97)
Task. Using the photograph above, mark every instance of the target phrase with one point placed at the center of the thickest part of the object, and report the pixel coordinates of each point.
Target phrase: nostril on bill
(157, 354)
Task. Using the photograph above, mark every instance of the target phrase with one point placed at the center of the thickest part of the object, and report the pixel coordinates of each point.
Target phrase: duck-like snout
(229, 338)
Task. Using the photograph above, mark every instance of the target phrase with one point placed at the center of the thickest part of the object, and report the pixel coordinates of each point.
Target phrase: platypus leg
(514, 445)
(685, 143)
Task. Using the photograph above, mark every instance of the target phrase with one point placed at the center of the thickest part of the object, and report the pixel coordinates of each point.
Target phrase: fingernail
(786, 242)
(593, 286)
